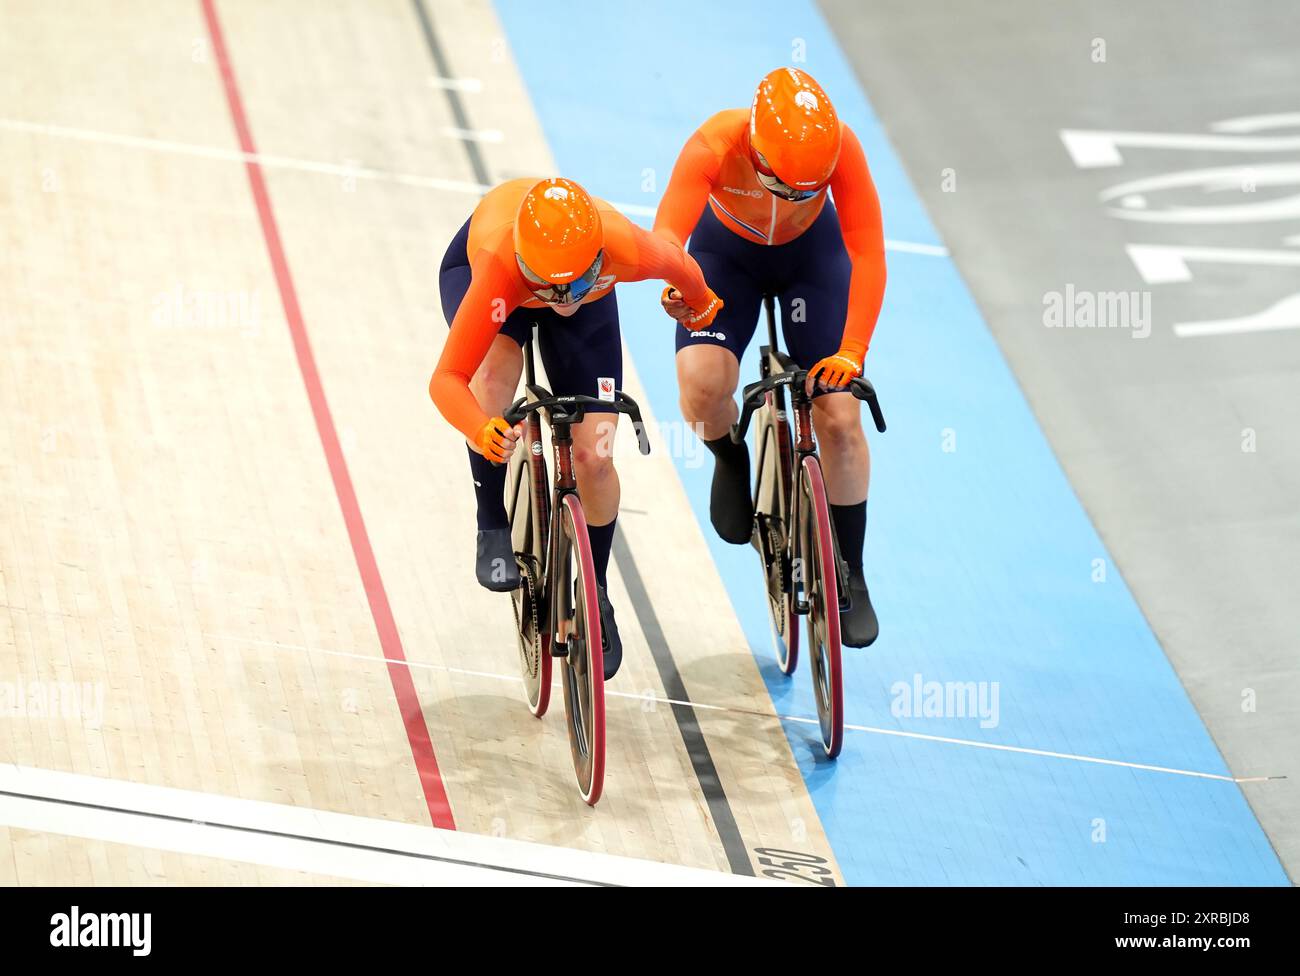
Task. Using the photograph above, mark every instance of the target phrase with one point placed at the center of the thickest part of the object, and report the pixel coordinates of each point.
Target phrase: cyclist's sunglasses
(774, 184)
(569, 293)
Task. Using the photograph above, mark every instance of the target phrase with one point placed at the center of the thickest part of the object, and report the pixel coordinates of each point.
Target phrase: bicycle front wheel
(583, 666)
(821, 590)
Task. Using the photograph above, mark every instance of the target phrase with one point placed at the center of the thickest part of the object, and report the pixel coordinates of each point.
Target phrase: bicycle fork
(805, 447)
(558, 574)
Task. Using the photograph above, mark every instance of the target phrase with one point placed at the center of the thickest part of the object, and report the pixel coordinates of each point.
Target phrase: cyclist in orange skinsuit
(770, 227)
(545, 252)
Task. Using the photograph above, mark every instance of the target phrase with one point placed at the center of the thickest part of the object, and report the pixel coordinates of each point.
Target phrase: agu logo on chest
(73, 929)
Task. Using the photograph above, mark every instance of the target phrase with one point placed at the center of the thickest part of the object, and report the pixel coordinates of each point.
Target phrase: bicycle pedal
(559, 648)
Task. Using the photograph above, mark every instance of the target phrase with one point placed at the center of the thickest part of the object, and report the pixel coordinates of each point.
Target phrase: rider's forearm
(669, 262)
(452, 396)
(866, 295)
(858, 205)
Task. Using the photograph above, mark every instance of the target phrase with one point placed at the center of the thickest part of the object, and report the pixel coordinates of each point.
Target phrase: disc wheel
(583, 666)
(770, 536)
(528, 506)
(534, 643)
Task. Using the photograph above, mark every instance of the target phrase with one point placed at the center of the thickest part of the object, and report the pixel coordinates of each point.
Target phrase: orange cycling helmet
(794, 134)
(559, 241)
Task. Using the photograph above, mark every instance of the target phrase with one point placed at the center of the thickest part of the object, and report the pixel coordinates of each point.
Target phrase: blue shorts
(575, 351)
(814, 268)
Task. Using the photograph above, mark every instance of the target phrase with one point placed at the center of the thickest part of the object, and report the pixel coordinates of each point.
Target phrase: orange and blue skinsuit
(824, 262)
(484, 294)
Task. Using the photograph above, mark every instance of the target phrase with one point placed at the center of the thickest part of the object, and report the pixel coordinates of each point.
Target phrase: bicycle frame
(554, 603)
(773, 363)
(561, 413)
(794, 532)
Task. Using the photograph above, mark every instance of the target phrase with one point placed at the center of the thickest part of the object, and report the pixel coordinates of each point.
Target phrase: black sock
(602, 540)
(851, 529)
(490, 490)
(728, 452)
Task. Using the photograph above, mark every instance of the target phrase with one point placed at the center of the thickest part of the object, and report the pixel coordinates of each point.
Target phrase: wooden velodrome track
(235, 528)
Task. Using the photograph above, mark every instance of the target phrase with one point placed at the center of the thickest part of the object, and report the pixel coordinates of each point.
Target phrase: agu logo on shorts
(605, 388)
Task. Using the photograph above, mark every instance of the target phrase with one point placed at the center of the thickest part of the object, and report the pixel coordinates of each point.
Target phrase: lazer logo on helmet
(557, 230)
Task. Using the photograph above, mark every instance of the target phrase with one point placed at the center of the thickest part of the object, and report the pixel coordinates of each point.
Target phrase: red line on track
(417, 732)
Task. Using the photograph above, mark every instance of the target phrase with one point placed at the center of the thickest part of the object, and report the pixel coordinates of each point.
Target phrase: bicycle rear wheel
(821, 590)
(583, 667)
(528, 502)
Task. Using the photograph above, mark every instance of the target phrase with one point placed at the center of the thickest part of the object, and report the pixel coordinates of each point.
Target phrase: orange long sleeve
(688, 190)
(668, 261)
(864, 238)
(494, 292)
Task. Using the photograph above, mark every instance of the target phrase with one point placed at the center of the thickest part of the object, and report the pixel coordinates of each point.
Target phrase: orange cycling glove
(495, 440)
(696, 320)
(836, 371)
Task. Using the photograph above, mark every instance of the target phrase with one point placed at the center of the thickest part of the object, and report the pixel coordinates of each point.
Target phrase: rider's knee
(704, 392)
(840, 427)
(594, 465)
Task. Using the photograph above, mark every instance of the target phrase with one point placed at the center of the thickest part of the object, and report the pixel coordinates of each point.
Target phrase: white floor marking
(770, 716)
(1282, 314)
(317, 841)
(456, 84)
(475, 135)
(933, 250)
(1093, 148)
(1163, 264)
(1254, 123)
(340, 170)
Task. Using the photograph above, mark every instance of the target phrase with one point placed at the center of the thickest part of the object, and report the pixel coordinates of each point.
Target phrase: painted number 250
(792, 865)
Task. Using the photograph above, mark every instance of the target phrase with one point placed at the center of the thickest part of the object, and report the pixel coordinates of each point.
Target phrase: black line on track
(458, 112)
(724, 820)
(289, 835)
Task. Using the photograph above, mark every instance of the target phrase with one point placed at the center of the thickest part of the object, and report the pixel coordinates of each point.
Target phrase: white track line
(872, 730)
(344, 170)
(316, 841)
(474, 135)
(456, 84)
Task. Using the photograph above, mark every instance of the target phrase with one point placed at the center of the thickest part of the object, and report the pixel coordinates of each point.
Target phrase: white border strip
(319, 842)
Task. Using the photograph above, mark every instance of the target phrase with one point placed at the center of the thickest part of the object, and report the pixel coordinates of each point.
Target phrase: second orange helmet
(793, 126)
